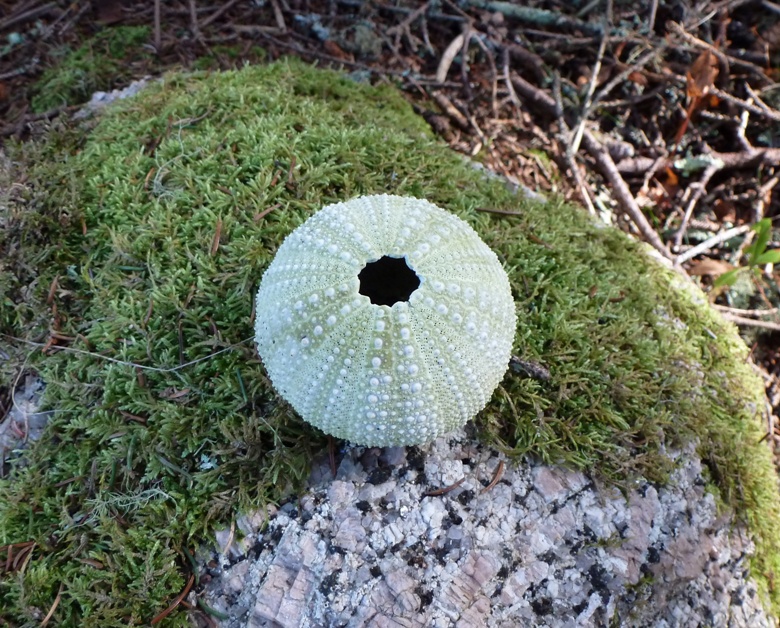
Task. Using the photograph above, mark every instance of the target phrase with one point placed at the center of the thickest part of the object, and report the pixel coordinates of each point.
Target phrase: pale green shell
(382, 375)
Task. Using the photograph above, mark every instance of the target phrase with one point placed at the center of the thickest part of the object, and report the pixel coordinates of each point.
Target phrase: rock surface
(408, 537)
(23, 424)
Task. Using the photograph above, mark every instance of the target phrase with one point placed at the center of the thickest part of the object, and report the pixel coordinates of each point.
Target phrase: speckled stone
(545, 546)
(23, 424)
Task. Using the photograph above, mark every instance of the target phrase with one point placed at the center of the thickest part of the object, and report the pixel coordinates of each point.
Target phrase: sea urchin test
(385, 320)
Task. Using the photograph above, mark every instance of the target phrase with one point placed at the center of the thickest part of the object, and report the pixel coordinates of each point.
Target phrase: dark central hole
(388, 280)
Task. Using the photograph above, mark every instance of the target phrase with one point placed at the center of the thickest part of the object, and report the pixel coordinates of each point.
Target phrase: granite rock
(413, 537)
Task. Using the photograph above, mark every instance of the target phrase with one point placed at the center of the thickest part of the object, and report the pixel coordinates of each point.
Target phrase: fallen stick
(623, 193)
(708, 244)
(750, 322)
(746, 159)
(746, 313)
(609, 170)
(699, 189)
(756, 109)
(539, 17)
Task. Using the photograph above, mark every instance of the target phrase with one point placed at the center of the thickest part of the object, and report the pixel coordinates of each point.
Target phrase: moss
(157, 225)
(98, 64)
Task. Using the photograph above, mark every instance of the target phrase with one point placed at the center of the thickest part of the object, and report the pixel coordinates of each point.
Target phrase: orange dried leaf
(725, 210)
(713, 267)
(671, 178)
(172, 393)
(701, 77)
(334, 50)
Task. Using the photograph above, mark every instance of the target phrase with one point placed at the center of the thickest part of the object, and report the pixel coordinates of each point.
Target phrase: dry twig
(586, 106)
(743, 159)
(571, 161)
(450, 109)
(157, 27)
(53, 607)
(698, 190)
(710, 243)
(761, 110)
(404, 24)
(750, 322)
(27, 15)
(623, 193)
(723, 58)
(218, 13)
(603, 160)
(279, 16)
(746, 313)
(194, 21)
(456, 45)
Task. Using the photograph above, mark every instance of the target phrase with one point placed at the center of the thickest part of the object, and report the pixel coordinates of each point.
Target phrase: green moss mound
(140, 244)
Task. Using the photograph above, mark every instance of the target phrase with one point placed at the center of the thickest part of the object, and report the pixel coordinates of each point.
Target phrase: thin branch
(764, 196)
(748, 313)
(450, 109)
(494, 74)
(279, 16)
(699, 189)
(750, 322)
(758, 110)
(194, 27)
(623, 193)
(540, 17)
(28, 15)
(125, 363)
(408, 20)
(157, 27)
(449, 56)
(722, 57)
(639, 64)
(651, 19)
(603, 160)
(218, 13)
(710, 243)
(771, 6)
(586, 107)
(571, 161)
(742, 139)
(744, 159)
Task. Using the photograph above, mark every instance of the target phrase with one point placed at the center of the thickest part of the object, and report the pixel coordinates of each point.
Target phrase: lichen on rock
(385, 320)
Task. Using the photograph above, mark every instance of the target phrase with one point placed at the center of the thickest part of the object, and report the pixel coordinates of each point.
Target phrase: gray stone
(545, 546)
(23, 424)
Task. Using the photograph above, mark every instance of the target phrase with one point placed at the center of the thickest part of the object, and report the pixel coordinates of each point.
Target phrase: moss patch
(141, 241)
(98, 65)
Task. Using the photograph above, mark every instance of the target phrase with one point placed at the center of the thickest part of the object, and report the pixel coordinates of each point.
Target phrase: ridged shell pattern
(381, 375)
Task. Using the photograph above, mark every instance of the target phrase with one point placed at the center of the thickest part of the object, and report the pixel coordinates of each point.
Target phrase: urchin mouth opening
(388, 280)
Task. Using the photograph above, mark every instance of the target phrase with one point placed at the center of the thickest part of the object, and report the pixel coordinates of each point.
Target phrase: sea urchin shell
(385, 320)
